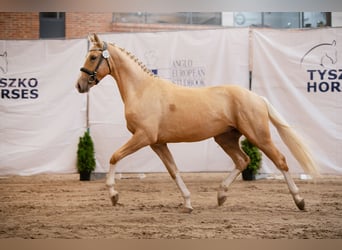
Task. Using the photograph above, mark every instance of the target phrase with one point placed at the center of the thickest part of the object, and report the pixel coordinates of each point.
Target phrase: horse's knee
(113, 160)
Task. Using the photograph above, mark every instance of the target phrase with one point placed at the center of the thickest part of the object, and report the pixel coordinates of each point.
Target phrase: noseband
(92, 74)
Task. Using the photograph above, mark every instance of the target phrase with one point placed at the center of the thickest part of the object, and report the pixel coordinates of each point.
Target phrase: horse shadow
(323, 54)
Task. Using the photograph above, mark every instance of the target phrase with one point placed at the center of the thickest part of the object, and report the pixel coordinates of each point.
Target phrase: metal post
(87, 115)
(87, 111)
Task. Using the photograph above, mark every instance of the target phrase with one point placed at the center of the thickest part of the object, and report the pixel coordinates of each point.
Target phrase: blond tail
(298, 149)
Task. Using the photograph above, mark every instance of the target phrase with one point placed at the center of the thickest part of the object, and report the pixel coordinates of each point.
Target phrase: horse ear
(93, 38)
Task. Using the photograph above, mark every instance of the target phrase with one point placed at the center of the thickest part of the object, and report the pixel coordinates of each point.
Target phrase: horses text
(19, 88)
(324, 80)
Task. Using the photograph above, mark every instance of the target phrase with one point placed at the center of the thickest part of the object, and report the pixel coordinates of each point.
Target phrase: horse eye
(93, 58)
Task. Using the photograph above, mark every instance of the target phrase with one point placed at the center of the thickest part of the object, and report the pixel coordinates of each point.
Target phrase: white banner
(188, 58)
(300, 72)
(42, 115)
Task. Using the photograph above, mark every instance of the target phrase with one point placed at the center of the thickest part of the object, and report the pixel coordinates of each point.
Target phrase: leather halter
(92, 74)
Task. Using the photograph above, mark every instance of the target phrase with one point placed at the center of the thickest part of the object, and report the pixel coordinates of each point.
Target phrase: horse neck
(130, 75)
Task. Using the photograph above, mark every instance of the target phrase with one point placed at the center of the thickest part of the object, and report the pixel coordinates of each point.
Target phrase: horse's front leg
(165, 155)
(229, 142)
(137, 141)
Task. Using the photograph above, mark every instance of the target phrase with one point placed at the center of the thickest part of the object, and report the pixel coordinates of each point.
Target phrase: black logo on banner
(3, 62)
(323, 74)
(16, 88)
(327, 54)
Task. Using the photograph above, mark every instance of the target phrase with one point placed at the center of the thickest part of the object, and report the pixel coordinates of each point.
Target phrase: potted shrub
(85, 157)
(255, 155)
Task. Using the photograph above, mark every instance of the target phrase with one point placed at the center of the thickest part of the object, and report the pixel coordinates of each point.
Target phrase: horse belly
(191, 127)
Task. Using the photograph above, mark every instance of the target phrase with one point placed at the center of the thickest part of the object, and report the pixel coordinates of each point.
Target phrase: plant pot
(85, 176)
(248, 175)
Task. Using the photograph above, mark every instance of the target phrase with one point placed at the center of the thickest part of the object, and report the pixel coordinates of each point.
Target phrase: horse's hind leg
(266, 145)
(165, 155)
(229, 142)
(279, 160)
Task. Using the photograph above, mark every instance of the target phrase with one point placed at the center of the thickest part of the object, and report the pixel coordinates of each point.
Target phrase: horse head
(94, 68)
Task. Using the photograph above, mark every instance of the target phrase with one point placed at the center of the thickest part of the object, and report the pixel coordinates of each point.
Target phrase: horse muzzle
(82, 88)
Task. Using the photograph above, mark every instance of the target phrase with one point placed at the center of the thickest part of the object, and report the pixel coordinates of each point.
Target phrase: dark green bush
(254, 154)
(85, 154)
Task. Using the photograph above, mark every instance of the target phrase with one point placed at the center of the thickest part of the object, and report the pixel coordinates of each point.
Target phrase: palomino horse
(158, 111)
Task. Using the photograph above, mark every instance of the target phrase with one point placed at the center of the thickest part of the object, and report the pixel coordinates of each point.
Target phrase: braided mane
(137, 61)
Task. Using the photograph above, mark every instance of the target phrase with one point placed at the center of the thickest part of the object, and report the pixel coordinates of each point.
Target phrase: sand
(62, 207)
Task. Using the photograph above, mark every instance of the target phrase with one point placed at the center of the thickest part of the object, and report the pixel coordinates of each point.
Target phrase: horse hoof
(187, 210)
(221, 200)
(114, 199)
(301, 204)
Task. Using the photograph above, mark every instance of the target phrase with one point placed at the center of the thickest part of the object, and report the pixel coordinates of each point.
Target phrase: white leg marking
(290, 183)
(294, 190)
(222, 193)
(113, 194)
(232, 176)
(111, 176)
(185, 192)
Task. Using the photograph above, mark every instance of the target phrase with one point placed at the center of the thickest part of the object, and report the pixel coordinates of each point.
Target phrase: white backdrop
(42, 115)
(212, 56)
(300, 72)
